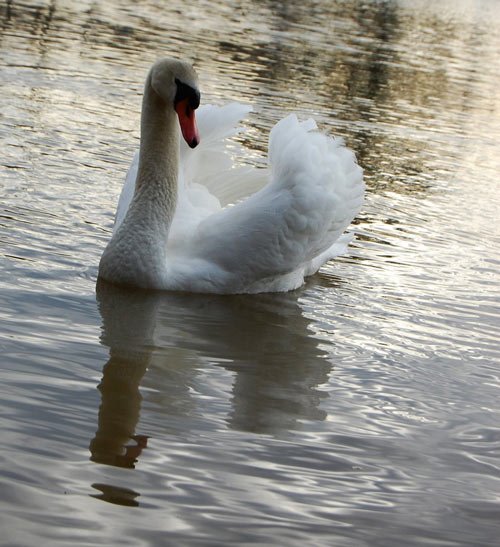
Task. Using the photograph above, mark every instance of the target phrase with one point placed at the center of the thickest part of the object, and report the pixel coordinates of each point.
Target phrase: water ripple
(356, 411)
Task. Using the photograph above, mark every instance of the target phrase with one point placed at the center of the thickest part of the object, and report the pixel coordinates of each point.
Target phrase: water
(360, 410)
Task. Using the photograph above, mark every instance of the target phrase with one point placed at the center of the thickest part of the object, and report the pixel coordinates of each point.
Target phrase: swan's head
(176, 83)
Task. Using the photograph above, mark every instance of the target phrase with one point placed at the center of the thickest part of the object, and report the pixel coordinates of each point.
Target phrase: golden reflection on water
(399, 90)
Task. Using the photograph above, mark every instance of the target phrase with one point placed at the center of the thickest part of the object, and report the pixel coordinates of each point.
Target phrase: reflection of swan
(171, 232)
(115, 442)
(264, 340)
(116, 494)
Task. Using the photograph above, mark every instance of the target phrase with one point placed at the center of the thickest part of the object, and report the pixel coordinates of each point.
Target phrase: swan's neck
(136, 254)
(156, 185)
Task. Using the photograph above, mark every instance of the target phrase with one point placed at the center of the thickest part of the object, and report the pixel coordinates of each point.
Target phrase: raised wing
(315, 190)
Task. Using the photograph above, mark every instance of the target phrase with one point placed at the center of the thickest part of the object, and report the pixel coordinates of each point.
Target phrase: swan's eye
(185, 91)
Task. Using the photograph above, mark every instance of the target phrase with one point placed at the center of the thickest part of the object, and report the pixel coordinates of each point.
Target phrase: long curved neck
(136, 254)
(156, 184)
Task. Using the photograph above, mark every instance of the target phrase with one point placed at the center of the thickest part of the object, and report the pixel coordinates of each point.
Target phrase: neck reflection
(128, 327)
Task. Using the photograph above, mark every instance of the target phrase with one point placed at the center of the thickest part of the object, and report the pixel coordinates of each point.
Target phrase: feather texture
(269, 241)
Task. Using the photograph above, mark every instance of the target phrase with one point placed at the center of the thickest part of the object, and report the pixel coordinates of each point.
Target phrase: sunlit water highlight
(361, 410)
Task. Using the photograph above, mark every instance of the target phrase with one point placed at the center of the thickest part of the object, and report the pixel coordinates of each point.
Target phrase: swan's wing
(127, 192)
(208, 177)
(294, 223)
(211, 163)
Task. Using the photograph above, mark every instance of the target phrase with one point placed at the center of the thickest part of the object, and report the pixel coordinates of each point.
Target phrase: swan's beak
(187, 121)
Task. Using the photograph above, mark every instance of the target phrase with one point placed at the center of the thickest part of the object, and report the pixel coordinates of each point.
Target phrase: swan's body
(172, 233)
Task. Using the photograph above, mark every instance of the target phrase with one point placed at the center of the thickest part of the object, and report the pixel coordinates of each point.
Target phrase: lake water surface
(361, 410)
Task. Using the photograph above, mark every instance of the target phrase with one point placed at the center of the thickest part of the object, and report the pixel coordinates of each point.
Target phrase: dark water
(361, 410)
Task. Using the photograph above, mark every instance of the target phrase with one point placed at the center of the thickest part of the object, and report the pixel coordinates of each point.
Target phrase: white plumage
(266, 242)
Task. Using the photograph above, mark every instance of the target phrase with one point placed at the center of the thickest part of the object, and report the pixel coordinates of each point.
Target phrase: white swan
(172, 233)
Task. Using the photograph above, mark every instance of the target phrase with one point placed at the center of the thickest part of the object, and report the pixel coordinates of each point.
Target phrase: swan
(172, 233)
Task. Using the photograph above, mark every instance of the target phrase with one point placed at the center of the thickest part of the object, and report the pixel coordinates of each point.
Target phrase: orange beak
(187, 122)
